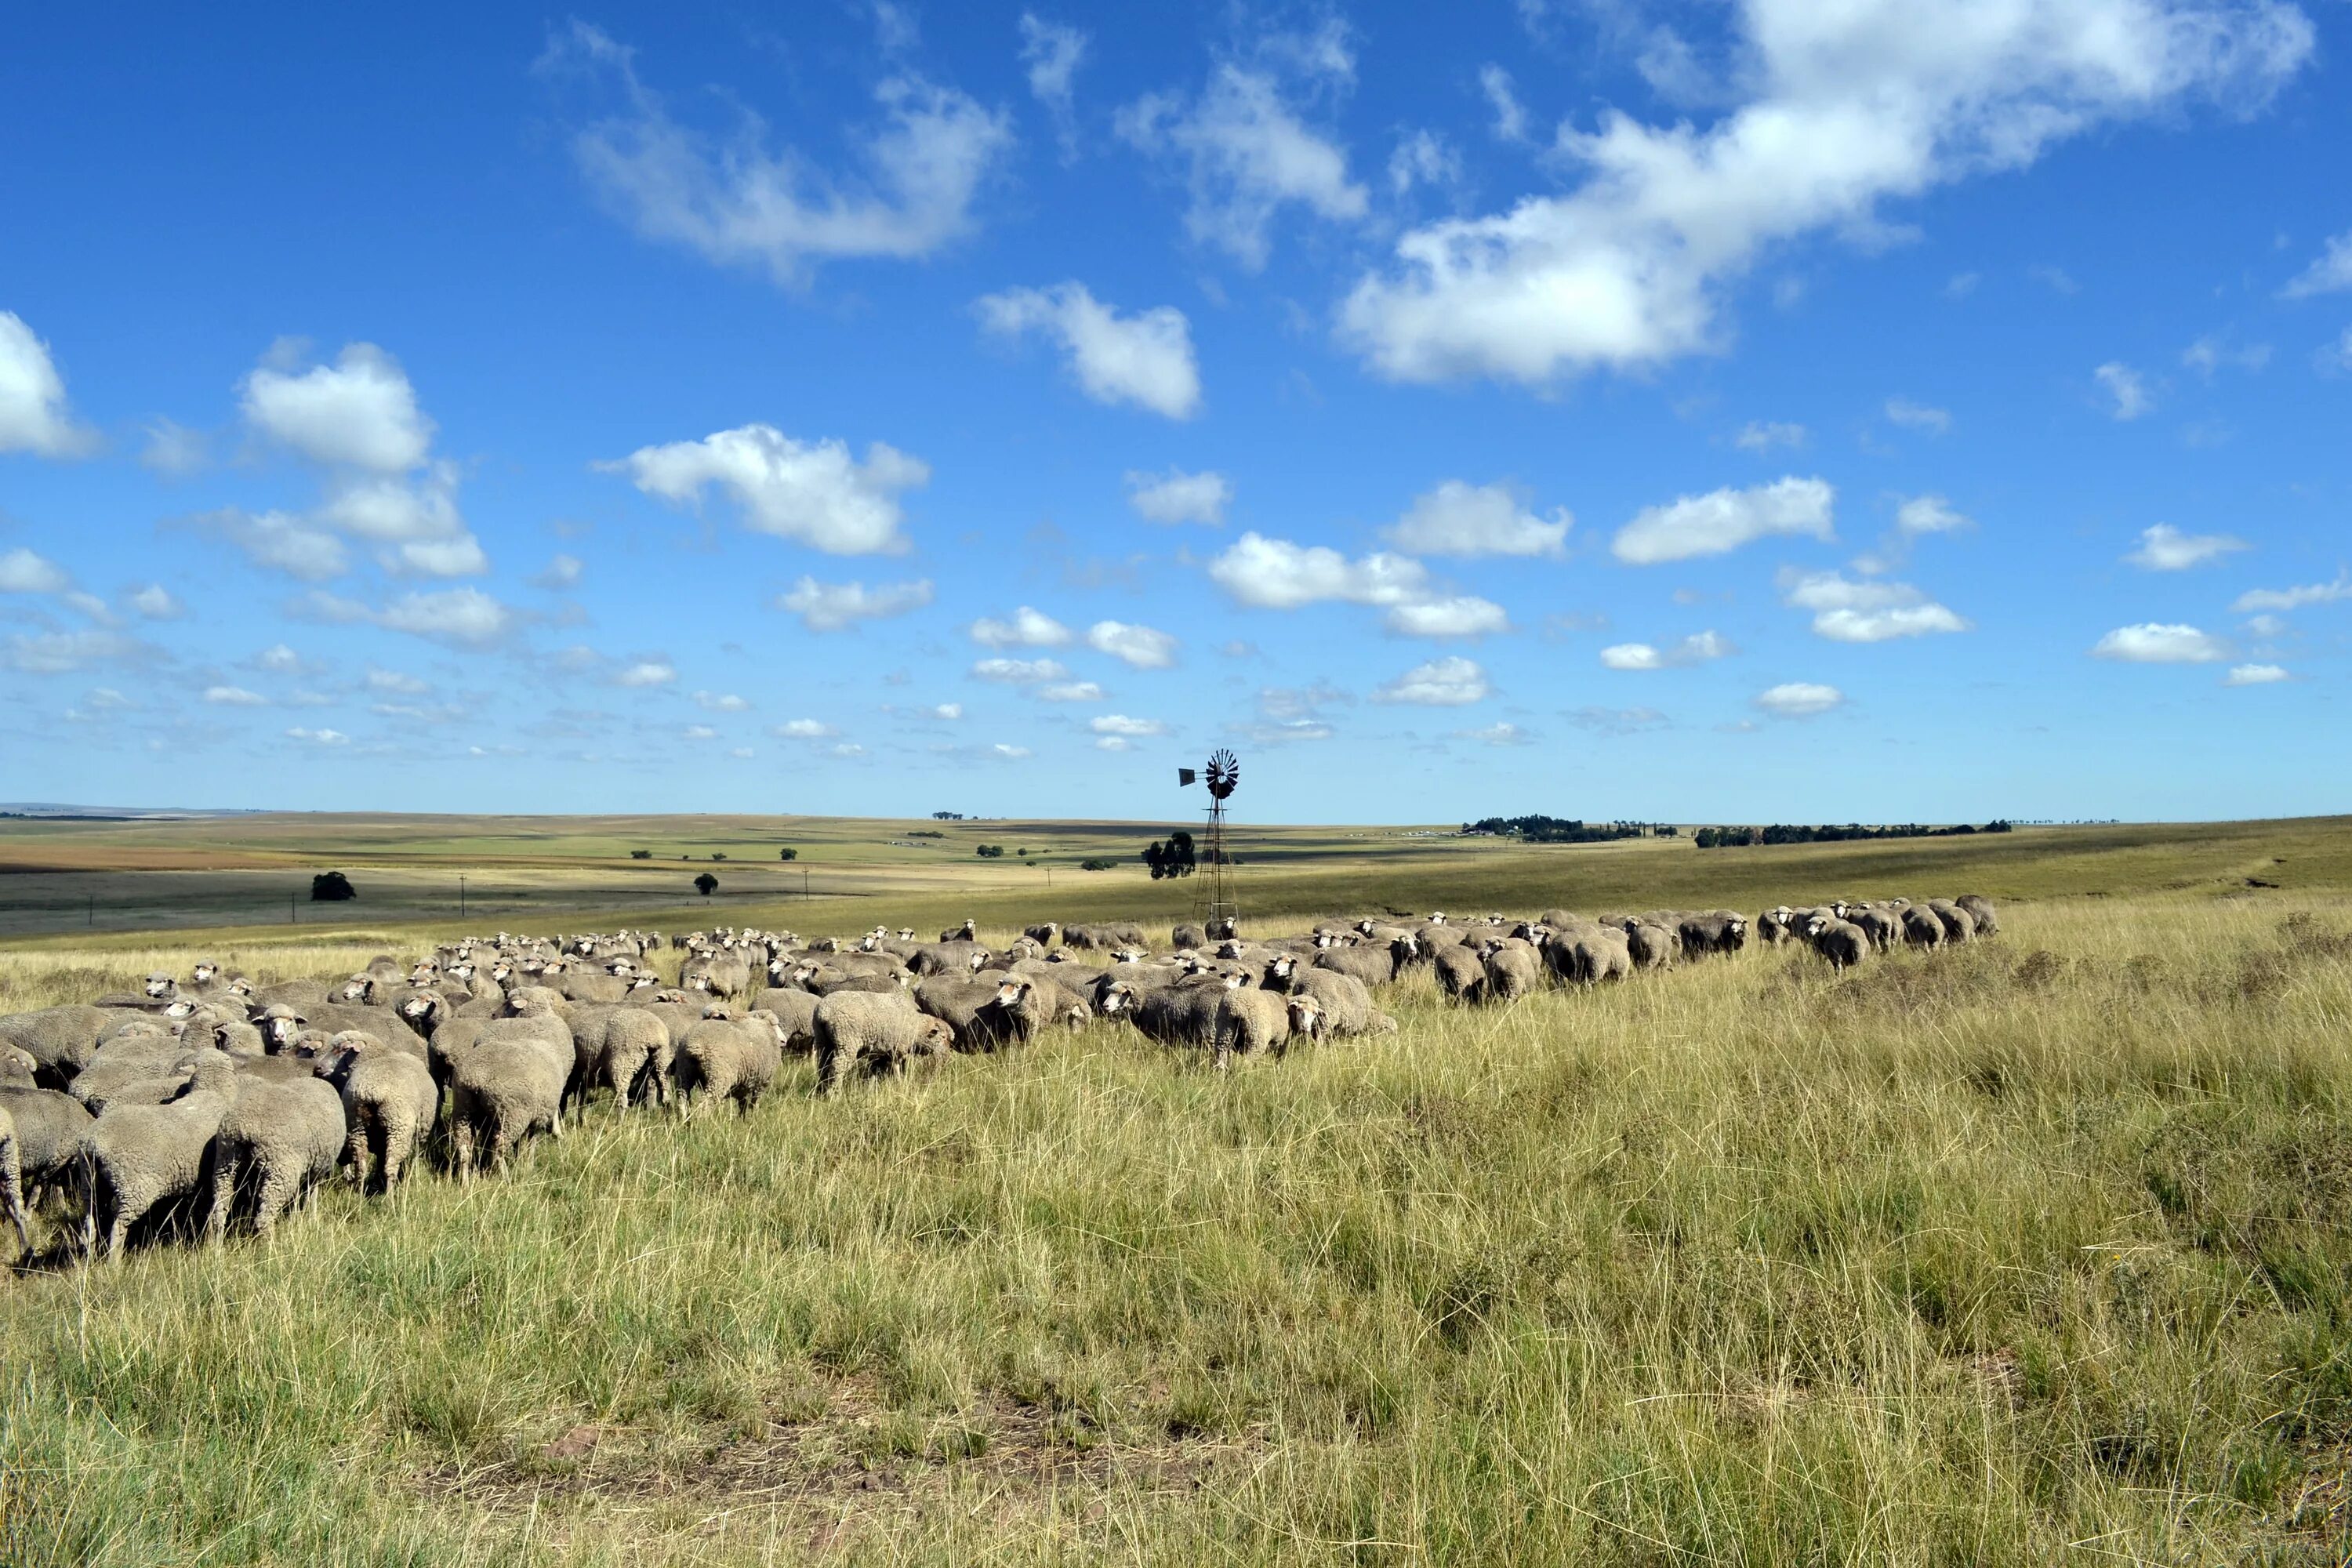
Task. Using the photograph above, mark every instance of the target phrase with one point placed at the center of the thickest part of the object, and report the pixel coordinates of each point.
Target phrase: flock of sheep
(199, 1103)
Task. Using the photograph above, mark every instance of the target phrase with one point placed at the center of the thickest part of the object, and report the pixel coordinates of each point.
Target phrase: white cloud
(1246, 151)
(2329, 274)
(360, 412)
(2164, 548)
(2151, 643)
(1145, 359)
(2123, 383)
(235, 697)
(1113, 743)
(737, 204)
(812, 491)
(1763, 435)
(319, 737)
(1069, 691)
(89, 605)
(1423, 158)
(742, 753)
(278, 659)
(830, 606)
(1798, 700)
(1510, 115)
(1120, 724)
(642, 674)
(700, 732)
(946, 710)
(562, 571)
(394, 680)
(1019, 671)
(722, 702)
(61, 653)
(1179, 497)
(280, 542)
(1928, 514)
(1696, 648)
(33, 415)
(1462, 519)
(1053, 53)
(1874, 610)
(1026, 629)
(1722, 520)
(2336, 356)
(1139, 647)
(1275, 574)
(1452, 682)
(174, 450)
(23, 572)
(1918, 415)
(802, 730)
(849, 750)
(2255, 675)
(461, 617)
(1501, 733)
(156, 602)
(1460, 616)
(417, 520)
(2215, 351)
(1010, 753)
(1851, 106)
(2283, 599)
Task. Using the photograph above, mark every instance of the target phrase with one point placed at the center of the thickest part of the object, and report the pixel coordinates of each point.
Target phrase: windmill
(1224, 772)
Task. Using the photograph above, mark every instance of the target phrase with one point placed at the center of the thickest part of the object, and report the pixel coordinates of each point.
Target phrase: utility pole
(804, 887)
(289, 909)
(461, 895)
(93, 909)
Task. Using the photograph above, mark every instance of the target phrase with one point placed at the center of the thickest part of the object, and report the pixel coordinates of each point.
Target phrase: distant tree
(1708, 838)
(1023, 851)
(641, 853)
(1096, 864)
(788, 853)
(719, 855)
(988, 851)
(947, 816)
(1176, 857)
(706, 884)
(331, 888)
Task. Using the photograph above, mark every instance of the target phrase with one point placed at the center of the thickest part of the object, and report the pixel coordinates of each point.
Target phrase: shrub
(331, 888)
(1096, 864)
(990, 851)
(788, 853)
(706, 884)
(719, 855)
(641, 853)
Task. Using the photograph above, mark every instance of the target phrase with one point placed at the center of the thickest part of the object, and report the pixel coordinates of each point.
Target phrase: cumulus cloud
(2152, 643)
(1696, 648)
(735, 203)
(560, 573)
(1121, 725)
(802, 730)
(2127, 392)
(1145, 359)
(235, 697)
(1453, 682)
(1277, 574)
(2331, 273)
(813, 492)
(2255, 675)
(1424, 158)
(1068, 691)
(414, 521)
(360, 412)
(2279, 601)
(646, 673)
(319, 737)
(1722, 520)
(1456, 615)
(830, 606)
(1179, 497)
(1008, 752)
(460, 618)
(2215, 352)
(1019, 671)
(2164, 548)
(950, 711)
(174, 450)
(23, 572)
(1140, 648)
(1928, 514)
(280, 542)
(1919, 416)
(33, 415)
(1798, 699)
(1462, 519)
(722, 702)
(396, 681)
(1024, 628)
(155, 602)
(1616, 721)
(1500, 733)
(1845, 109)
(1053, 53)
(1763, 435)
(1244, 148)
(1866, 611)
(62, 653)
(1510, 123)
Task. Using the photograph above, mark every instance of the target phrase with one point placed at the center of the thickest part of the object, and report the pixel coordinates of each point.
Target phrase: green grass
(2028, 1251)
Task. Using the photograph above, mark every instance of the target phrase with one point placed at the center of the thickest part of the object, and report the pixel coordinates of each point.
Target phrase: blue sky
(1768, 410)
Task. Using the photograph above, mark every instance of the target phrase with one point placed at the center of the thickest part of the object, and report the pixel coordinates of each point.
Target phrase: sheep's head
(978, 960)
(356, 989)
(159, 985)
(1437, 917)
(1127, 955)
(1009, 993)
(204, 972)
(17, 1065)
(1117, 996)
(279, 1025)
(420, 1009)
(1306, 1016)
(1324, 939)
(1281, 968)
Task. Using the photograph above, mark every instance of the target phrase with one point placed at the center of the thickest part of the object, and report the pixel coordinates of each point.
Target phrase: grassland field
(2035, 1250)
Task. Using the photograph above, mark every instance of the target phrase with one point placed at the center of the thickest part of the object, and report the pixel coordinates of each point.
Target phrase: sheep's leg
(226, 1171)
(275, 1199)
(12, 1194)
(355, 1151)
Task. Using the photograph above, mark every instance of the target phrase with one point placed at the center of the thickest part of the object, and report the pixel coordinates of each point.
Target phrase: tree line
(1783, 833)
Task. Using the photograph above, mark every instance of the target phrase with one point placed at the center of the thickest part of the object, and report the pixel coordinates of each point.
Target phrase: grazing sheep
(1980, 908)
(12, 1184)
(1373, 964)
(1882, 929)
(501, 1092)
(635, 1048)
(795, 1010)
(1959, 926)
(1842, 943)
(1346, 1002)
(1649, 946)
(52, 1133)
(965, 958)
(60, 1040)
(1460, 974)
(141, 1156)
(1921, 929)
(1772, 928)
(1189, 935)
(1045, 934)
(1718, 931)
(723, 975)
(968, 931)
(986, 1014)
(875, 1034)
(145, 1068)
(1514, 969)
(276, 1142)
(1248, 1021)
(734, 1058)
(390, 1101)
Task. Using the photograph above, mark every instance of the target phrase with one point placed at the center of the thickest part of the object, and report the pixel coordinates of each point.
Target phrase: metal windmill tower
(1224, 772)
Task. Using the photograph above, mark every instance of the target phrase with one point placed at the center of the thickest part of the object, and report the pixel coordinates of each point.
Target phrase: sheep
(1882, 929)
(1248, 1021)
(968, 931)
(1980, 908)
(1649, 946)
(52, 1131)
(1842, 943)
(141, 1156)
(985, 1014)
(1043, 934)
(277, 1141)
(1514, 969)
(734, 1058)
(1346, 1001)
(1589, 955)
(1460, 975)
(60, 1040)
(1716, 930)
(1061, 1002)
(501, 1092)
(723, 975)
(949, 958)
(144, 1067)
(876, 1035)
(1374, 965)
(1180, 1014)
(795, 1010)
(12, 1184)
(1772, 927)
(1959, 926)
(1189, 935)
(390, 1101)
(1921, 929)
